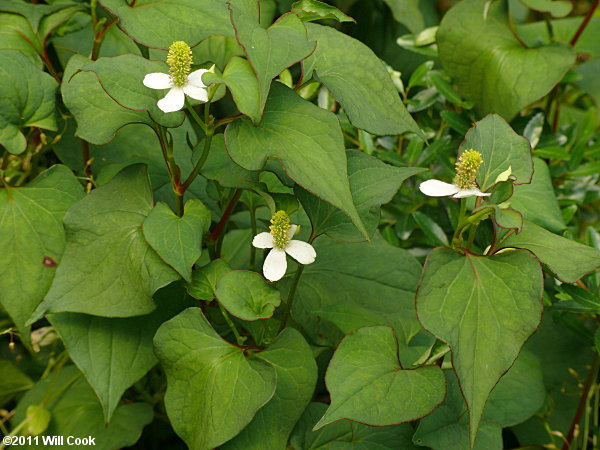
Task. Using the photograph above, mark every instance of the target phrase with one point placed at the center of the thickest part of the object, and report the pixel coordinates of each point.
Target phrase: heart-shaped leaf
(305, 138)
(205, 278)
(263, 48)
(485, 308)
(159, 24)
(26, 99)
(368, 384)
(476, 44)
(213, 389)
(247, 296)
(108, 268)
(358, 79)
(32, 239)
(178, 240)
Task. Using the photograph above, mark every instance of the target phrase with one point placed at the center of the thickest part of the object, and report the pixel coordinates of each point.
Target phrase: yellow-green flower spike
(467, 167)
(180, 62)
(280, 225)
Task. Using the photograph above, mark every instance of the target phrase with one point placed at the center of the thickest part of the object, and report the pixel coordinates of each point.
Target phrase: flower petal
(173, 101)
(197, 93)
(470, 192)
(275, 265)
(437, 188)
(263, 240)
(195, 78)
(301, 251)
(158, 81)
(292, 231)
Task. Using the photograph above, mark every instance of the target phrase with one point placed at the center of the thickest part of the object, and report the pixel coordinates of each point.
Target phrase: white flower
(175, 98)
(437, 188)
(275, 263)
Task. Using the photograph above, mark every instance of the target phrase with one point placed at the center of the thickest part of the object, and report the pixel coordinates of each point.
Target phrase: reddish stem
(583, 25)
(225, 218)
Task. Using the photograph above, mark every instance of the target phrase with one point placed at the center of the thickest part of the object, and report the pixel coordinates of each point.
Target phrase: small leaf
(500, 148)
(567, 259)
(204, 279)
(368, 384)
(213, 389)
(474, 302)
(309, 10)
(476, 43)
(557, 8)
(247, 296)
(159, 24)
(263, 48)
(108, 268)
(359, 81)
(305, 138)
(178, 240)
(26, 99)
(38, 419)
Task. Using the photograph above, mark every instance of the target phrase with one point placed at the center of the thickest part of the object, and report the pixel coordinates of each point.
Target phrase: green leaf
(122, 351)
(90, 105)
(537, 201)
(476, 44)
(246, 295)
(432, 230)
(32, 239)
(358, 285)
(122, 78)
(13, 380)
(178, 240)
(359, 81)
(446, 428)
(567, 259)
(296, 378)
(263, 47)
(407, 12)
(500, 148)
(213, 389)
(305, 138)
(309, 10)
(485, 308)
(108, 269)
(368, 384)
(372, 184)
(76, 412)
(557, 8)
(219, 166)
(34, 13)
(16, 34)
(347, 435)
(241, 80)
(26, 99)
(204, 279)
(159, 24)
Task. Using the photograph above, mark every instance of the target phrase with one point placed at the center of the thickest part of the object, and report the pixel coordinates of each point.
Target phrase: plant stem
(226, 214)
(195, 116)
(252, 247)
(290, 299)
(238, 337)
(205, 151)
(582, 401)
(471, 238)
(584, 23)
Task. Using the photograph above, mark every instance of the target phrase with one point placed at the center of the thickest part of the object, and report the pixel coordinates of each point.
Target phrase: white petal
(470, 192)
(301, 251)
(292, 231)
(263, 240)
(197, 93)
(195, 78)
(437, 188)
(158, 81)
(275, 265)
(173, 101)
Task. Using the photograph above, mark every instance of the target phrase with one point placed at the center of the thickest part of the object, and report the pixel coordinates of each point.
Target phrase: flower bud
(467, 167)
(280, 225)
(180, 62)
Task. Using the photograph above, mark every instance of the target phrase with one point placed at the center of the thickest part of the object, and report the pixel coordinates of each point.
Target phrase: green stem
(456, 239)
(238, 337)
(195, 116)
(252, 247)
(166, 147)
(15, 431)
(290, 299)
(471, 237)
(205, 151)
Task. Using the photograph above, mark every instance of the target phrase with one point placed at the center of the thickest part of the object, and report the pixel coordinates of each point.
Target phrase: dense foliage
(266, 225)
